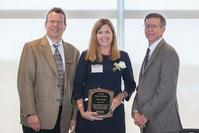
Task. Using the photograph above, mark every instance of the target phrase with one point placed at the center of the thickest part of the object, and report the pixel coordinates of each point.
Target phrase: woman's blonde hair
(93, 52)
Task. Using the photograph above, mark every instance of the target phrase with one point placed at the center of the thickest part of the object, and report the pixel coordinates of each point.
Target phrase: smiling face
(55, 26)
(153, 29)
(105, 36)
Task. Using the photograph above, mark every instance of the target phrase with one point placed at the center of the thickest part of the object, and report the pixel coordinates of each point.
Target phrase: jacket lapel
(68, 64)
(47, 52)
(155, 53)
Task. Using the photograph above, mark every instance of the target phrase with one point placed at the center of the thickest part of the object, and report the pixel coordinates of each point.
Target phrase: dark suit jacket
(156, 91)
(38, 83)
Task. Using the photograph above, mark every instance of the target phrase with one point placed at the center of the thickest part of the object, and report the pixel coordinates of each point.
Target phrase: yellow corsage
(119, 66)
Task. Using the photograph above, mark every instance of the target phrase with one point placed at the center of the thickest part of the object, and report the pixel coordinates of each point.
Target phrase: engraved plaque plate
(100, 100)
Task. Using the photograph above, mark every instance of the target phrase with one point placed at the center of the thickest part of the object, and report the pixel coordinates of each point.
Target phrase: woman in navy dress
(104, 66)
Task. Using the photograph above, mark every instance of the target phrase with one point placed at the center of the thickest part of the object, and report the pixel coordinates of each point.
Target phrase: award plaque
(100, 100)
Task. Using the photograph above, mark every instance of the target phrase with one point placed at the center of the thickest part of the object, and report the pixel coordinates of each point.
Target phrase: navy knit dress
(86, 79)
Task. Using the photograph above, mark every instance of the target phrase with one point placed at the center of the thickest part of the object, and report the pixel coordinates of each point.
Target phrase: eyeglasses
(152, 26)
(55, 21)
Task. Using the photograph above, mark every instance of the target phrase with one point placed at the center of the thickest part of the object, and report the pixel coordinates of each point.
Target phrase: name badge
(98, 68)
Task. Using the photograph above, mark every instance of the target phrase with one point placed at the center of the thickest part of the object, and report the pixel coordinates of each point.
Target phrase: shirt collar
(51, 42)
(154, 45)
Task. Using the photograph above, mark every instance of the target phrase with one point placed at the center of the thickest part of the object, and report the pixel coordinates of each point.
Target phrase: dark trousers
(56, 129)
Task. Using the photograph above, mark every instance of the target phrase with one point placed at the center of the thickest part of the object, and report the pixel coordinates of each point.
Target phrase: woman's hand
(90, 115)
(72, 126)
(118, 99)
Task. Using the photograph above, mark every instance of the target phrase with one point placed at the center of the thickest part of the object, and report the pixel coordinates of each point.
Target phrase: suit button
(58, 100)
(59, 85)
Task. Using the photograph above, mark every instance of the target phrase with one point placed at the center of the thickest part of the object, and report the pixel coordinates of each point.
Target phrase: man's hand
(34, 122)
(139, 119)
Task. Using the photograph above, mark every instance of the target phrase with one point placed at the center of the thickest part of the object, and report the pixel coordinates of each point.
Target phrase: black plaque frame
(100, 100)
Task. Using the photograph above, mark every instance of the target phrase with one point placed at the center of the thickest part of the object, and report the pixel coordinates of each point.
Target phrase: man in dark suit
(45, 79)
(155, 107)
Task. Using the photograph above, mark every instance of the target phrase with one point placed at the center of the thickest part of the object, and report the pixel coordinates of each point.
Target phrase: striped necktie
(146, 58)
(60, 69)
